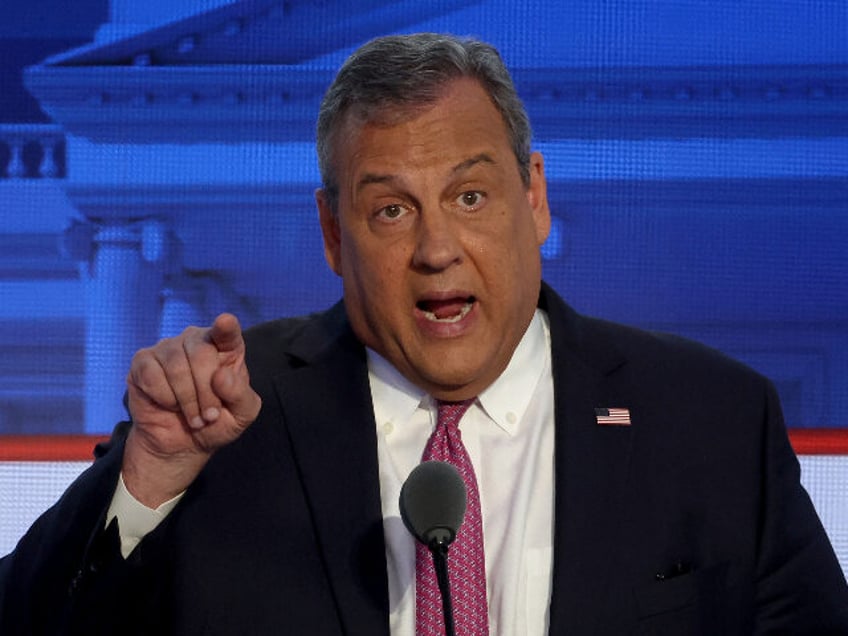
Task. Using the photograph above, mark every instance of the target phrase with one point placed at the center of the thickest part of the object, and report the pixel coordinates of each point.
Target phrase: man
(628, 482)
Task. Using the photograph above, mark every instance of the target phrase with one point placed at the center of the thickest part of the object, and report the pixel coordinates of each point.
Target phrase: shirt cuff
(135, 520)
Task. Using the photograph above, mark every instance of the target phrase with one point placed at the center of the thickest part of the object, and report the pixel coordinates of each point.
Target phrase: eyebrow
(483, 157)
(370, 178)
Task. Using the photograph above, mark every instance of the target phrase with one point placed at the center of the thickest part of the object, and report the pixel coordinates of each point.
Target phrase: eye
(392, 212)
(472, 199)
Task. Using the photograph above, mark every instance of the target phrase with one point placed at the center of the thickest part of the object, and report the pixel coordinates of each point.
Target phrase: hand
(188, 396)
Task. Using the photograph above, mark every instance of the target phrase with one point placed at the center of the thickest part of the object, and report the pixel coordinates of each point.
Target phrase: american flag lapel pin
(612, 417)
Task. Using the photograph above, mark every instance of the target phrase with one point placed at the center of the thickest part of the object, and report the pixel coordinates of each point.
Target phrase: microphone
(432, 506)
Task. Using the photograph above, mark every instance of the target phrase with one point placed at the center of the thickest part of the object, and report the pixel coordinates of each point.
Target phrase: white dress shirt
(509, 435)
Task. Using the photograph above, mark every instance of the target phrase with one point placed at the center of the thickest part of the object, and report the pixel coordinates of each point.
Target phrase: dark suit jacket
(689, 521)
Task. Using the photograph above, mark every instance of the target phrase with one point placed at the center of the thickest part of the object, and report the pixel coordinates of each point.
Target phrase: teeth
(462, 314)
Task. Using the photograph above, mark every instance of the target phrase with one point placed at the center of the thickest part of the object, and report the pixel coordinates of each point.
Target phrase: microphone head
(432, 502)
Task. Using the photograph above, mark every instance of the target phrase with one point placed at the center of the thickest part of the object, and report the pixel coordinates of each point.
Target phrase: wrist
(154, 478)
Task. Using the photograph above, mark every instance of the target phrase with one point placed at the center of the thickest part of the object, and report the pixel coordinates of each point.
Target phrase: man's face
(437, 240)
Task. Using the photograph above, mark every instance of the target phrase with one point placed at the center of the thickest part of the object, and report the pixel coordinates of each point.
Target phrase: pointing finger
(225, 334)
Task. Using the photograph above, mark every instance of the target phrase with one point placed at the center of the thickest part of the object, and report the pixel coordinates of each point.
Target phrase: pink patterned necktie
(466, 562)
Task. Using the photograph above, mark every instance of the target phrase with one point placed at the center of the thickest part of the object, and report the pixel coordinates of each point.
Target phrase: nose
(437, 245)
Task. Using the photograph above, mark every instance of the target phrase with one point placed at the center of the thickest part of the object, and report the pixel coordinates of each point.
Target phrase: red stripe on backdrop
(819, 441)
(48, 448)
(57, 448)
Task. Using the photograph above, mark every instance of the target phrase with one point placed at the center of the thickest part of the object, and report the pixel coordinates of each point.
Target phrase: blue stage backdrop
(157, 167)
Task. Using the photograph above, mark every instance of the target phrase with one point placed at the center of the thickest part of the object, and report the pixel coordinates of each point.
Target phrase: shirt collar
(508, 397)
(395, 398)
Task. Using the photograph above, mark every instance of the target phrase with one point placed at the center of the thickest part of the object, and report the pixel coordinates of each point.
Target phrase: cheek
(372, 269)
(524, 253)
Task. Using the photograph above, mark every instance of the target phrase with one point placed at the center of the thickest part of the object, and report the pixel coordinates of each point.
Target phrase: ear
(537, 196)
(331, 232)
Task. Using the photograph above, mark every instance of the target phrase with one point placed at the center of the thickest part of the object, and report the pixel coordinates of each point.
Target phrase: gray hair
(393, 76)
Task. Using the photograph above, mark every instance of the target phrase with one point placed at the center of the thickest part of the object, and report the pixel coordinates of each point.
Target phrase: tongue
(445, 308)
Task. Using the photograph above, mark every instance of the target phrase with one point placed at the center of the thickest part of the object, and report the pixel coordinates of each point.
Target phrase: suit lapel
(591, 468)
(326, 404)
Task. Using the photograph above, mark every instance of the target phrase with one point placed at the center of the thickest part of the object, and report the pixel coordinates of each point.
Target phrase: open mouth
(448, 310)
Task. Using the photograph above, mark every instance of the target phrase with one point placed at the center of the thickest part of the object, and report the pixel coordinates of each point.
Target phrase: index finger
(225, 334)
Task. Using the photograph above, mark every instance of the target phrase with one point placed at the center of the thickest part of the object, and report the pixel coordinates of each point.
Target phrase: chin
(447, 380)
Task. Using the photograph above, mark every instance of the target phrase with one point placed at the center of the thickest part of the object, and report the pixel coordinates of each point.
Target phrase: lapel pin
(612, 417)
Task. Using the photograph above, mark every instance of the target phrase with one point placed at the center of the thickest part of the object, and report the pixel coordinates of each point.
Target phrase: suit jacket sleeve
(800, 588)
(67, 576)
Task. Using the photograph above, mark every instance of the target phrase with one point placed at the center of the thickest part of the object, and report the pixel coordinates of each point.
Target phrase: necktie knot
(449, 413)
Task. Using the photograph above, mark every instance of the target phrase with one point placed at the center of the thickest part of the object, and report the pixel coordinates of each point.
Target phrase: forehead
(461, 117)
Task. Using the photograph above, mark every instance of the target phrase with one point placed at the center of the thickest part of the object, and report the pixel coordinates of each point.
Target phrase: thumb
(232, 386)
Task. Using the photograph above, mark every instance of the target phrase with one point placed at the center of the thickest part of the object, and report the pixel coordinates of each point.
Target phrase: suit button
(76, 582)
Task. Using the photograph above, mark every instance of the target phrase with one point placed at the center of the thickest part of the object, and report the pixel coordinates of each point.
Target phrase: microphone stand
(439, 549)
